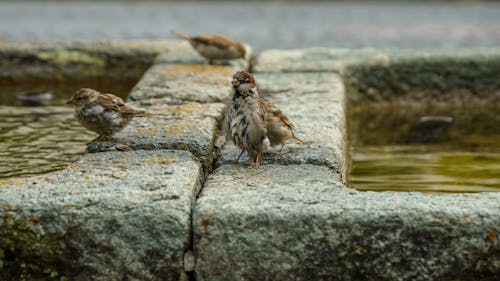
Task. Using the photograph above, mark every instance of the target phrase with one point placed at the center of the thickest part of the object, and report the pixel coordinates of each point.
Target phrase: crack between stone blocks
(210, 166)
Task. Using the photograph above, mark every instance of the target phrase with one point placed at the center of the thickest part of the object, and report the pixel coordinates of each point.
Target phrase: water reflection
(466, 159)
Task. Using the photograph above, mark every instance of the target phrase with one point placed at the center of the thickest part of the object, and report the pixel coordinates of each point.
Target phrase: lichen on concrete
(63, 60)
(110, 216)
(388, 74)
(180, 83)
(298, 222)
(190, 126)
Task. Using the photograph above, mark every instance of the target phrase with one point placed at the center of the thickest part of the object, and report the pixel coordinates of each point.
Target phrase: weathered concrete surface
(190, 126)
(315, 104)
(389, 74)
(434, 75)
(110, 216)
(180, 83)
(82, 60)
(297, 222)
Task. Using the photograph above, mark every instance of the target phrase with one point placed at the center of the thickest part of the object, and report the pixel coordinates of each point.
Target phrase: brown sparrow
(215, 47)
(245, 120)
(105, 114)
(279, 127)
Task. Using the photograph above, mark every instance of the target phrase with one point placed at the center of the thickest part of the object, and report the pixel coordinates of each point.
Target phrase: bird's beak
(235, 83)
(71, 101)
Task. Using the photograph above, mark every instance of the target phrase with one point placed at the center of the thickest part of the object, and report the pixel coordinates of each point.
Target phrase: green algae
(27, 255)
(64, 57)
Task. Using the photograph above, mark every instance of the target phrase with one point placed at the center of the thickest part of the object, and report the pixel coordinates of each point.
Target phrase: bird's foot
(120, 147)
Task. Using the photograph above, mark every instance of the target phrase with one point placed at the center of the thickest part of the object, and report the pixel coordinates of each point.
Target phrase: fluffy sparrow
(215, 47)
(245, 120)
(279, 127)
(105, 114)
(246, 105)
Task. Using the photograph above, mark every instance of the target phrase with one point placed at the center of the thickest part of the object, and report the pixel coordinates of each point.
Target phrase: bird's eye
(80, 98)
(246, 79)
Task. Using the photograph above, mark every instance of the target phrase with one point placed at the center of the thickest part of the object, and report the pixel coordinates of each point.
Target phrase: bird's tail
(295, 138)
(147, 114)
(181, 35)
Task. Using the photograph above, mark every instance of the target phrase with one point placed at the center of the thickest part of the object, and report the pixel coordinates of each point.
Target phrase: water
(40, 139)
(262, 25)
(466, 158)
(431, 168)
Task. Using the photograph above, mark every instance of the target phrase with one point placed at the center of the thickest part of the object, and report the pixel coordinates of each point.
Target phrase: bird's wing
(257, 131)
(111, 102)
(271, 109)
(217, 40)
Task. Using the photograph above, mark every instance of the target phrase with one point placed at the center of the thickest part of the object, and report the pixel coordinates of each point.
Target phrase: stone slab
(335, 59)
(180, 83)
(80, 59)
(297, 222)
(315, 104)
(391, 74)
(190, 126)
(109, 216)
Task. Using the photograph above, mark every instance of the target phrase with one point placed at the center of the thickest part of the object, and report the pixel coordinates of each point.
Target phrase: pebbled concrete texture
(190, 126)
(315, 104)
(64, 60)
(391, 74)
(180, 83)
(297, 222)
(294, 221)
(127, 215)
(110, 216)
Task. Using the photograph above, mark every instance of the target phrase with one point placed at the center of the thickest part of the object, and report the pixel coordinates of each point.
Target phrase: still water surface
(464, 159)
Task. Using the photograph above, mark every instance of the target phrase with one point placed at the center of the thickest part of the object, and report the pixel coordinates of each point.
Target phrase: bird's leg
(211, 61)
(256, 161)
(237, 159)
(280, 152)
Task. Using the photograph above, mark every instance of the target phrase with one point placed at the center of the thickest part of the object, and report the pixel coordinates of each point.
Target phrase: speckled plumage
(105, 114)
(279, 127)
(244, 120)
(215, 47)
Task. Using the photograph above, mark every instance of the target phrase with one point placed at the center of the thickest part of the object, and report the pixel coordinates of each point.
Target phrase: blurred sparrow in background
(215, 47)
(105, 114)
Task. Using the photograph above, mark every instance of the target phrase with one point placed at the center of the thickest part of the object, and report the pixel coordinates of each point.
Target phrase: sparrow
(105, 114)
(279, 127)
(215, 47)
(245, 119)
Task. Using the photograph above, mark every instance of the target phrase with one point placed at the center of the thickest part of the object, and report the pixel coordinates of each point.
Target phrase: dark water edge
(464, 159)
(45, 138)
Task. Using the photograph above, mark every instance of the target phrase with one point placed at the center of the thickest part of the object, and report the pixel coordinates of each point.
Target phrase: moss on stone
(441, 79)
(26, 255)
(64, 57)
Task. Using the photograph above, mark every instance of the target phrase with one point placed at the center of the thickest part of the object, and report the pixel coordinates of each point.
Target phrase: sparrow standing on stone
(215, 47)
(279, 127)
(245, 120)
(105, 114)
